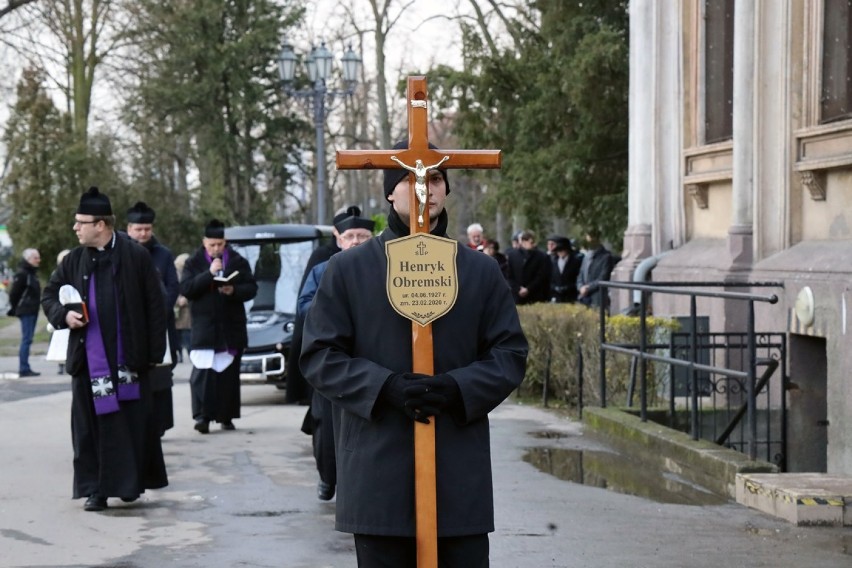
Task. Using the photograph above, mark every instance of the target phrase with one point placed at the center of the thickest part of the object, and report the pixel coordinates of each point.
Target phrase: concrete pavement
(247, 498)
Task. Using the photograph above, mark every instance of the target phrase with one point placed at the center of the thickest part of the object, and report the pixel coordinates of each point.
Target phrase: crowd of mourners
(561, 274)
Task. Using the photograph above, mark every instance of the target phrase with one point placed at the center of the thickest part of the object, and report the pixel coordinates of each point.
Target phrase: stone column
(654, 139)
(741, 232)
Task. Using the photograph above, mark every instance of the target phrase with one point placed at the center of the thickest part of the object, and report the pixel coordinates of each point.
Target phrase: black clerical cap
(93, 202)
(141, 213)
(347, 212)
(353, 220)
(215, 229)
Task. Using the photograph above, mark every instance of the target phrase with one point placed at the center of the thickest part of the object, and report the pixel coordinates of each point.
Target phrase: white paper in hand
(208, 359)
(68, 294)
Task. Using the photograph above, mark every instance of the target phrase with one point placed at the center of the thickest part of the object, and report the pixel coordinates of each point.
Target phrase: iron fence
(729, 381)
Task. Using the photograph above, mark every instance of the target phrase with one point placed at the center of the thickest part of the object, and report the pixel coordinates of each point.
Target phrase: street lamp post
(318, 64)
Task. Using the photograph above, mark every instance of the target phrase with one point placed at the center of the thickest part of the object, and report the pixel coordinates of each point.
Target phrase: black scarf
(400, 229)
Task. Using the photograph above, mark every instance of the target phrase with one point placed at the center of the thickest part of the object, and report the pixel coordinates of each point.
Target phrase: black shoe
(129, 499)
(202, 426)
(30, 373)
(95, 503)
(325, 491)
(228, 425)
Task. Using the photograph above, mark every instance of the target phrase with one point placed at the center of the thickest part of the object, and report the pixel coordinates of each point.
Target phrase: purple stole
(224, 259)
(104, 393)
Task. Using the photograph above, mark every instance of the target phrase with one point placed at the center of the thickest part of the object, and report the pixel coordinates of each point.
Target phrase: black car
(278, 255)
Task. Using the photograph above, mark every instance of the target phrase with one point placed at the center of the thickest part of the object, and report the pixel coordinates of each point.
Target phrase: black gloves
(441, 390)
(393, 391)
(421, 396)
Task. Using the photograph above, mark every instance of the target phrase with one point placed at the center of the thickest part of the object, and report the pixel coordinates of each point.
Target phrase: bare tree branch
(13, 5)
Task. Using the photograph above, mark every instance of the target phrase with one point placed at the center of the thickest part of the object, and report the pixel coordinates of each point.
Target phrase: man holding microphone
(216, 281)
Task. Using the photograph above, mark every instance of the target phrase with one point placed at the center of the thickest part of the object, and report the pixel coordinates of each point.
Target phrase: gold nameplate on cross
(422, 279)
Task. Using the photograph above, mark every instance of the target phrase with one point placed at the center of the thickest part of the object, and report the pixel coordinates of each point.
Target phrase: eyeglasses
(78, 222)
(357, 237)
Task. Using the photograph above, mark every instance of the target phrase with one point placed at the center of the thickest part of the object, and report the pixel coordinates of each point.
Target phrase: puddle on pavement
(620, 474)
(548, 434)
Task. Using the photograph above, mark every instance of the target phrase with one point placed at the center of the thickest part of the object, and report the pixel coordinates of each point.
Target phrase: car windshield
(278, 269)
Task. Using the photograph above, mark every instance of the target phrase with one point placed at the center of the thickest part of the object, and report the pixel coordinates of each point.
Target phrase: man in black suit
(529, 271)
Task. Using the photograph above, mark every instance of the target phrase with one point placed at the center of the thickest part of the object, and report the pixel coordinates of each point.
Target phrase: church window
(836, 83)
(718, 70)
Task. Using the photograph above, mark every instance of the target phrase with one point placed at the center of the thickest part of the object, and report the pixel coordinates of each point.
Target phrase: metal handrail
(667, 289)
(670, 288)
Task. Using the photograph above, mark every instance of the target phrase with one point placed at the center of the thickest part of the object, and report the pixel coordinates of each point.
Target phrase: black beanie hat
(93, 202)
(352, 220)
(393, 177)
(215, 229)
(141, 213)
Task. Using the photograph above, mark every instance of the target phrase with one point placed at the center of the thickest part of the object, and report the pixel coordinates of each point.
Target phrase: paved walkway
(247, 498)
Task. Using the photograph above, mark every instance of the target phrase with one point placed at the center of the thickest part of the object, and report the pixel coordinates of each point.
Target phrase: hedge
(557, 331)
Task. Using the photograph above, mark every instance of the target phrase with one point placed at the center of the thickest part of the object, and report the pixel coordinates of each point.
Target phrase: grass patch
(8, 321)
(10, 336)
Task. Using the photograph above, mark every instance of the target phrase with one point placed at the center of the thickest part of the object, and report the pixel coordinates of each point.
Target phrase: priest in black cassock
(217, 281)
(140, 228)
(357, 353)
(108, 293)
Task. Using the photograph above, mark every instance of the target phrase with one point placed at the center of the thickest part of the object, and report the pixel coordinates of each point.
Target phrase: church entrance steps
(800, 498)
(699, 461)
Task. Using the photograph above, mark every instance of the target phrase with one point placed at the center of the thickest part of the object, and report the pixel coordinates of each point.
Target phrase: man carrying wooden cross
(357, 352)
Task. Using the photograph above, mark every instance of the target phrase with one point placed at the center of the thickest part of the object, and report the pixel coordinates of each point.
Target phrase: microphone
(221, 271)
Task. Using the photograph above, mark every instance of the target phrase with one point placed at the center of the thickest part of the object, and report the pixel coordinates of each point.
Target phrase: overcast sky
(426, 33)
(423, 35)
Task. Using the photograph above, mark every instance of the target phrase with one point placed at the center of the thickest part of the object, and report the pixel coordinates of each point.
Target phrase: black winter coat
(25, 294)
(164, 260)
(139, 295)
(218, 321)
(530, 269)
(563, 285)
(298, 389)
(354, 340)
(597, 267)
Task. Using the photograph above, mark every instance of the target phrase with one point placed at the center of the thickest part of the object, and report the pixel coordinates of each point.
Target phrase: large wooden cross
(421, 336)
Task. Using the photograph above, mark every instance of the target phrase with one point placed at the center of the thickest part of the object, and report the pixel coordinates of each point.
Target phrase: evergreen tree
(555, 101)
(41, 171)
(205, 94)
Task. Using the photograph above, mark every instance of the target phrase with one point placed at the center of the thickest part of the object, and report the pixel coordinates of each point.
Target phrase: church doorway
(807, 441)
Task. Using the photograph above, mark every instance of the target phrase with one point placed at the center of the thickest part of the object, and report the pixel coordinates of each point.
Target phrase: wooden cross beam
(418, 144)
(422, 347)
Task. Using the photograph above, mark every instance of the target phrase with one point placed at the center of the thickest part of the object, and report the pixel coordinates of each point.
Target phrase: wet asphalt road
(247, 498)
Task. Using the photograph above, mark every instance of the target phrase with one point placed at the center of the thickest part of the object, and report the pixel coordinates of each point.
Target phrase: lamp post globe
(351, 66)
(319, 65)
(287, 63)
(323, 60)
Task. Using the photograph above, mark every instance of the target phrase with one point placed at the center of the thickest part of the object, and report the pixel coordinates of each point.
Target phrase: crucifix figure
(420, 191)
(412, 429)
